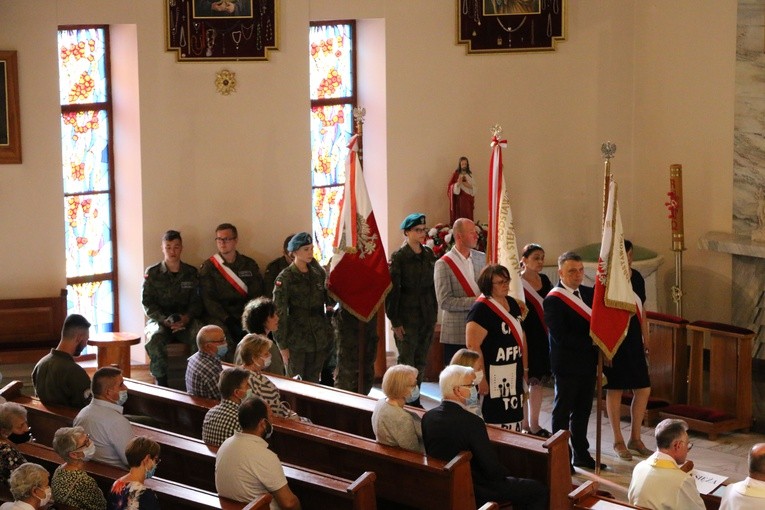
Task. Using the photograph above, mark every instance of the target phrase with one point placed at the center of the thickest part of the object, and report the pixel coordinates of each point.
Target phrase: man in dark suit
(573, 356)
(450, 429)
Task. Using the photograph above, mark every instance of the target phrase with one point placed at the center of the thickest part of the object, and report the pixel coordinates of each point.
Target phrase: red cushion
(718, 326)
(698, 413)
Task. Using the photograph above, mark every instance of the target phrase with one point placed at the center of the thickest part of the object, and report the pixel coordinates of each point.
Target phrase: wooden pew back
(170, 494)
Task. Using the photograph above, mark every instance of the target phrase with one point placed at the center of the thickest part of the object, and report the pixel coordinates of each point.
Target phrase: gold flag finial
(496, 130)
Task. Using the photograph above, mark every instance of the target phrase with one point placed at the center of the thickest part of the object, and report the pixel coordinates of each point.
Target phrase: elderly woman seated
(254, 354)
(13, 430)
(29, 486)
(392, 424)
(71, 485)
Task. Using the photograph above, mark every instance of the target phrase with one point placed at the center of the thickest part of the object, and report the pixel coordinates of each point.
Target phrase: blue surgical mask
(122, 398)
(151, 471)
(222, 350)
(413, 395)
(472, 400)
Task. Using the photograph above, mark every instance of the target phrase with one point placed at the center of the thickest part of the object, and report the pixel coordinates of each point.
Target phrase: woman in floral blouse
(13, 430)
(70, 483)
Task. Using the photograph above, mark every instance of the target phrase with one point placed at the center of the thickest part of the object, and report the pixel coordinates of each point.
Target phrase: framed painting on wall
(502, 26)
(209, 30)
(10, 124)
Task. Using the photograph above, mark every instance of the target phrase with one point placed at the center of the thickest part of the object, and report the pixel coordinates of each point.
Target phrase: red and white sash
(230, 276)
(571, 300)
(467, 281)
(512, 322)
(533, 298)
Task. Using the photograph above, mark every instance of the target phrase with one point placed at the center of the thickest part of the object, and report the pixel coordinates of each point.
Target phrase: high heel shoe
(621, 450)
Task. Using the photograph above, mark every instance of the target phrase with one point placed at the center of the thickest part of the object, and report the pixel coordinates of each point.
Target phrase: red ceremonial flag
(359, 278)
(614, 301)
(502, 248)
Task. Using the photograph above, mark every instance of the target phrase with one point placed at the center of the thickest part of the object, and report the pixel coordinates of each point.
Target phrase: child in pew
(71, 485)
(129, 492)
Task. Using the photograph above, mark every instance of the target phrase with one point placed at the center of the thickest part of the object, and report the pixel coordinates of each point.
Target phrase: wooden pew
(30, 327)
(586, 496)
(189, 461)
(526, 456)
(170, 494)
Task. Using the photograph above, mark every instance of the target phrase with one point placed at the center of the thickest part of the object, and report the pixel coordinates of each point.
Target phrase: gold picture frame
(221, 30)
(10, 121)
(505, 26)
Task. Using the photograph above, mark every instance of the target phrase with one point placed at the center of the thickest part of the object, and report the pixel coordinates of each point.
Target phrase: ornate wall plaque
(499, 26)
(206, 30)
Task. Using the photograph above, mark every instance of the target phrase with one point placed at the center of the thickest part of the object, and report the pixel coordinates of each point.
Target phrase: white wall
(655, 77)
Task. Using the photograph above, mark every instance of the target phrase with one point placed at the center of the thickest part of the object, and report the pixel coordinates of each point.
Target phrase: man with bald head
(204, 368)
(455, 277)
(748, 494)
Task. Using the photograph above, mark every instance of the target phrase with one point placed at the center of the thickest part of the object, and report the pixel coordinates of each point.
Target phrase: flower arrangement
(440, 238)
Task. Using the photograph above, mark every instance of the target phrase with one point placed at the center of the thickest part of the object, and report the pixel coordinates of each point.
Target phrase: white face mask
(478, 377)
(89, 451)
(48, 494)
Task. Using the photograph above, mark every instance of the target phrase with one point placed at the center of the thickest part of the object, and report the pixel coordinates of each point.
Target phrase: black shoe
(587, 463)
(541, 433)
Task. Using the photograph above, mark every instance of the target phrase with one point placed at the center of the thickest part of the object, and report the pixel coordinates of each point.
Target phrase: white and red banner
(614, 301)
(359, 278)
(230, 276)
(501, 247)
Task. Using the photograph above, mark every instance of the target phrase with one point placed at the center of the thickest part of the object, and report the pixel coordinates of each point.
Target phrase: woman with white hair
(29, 486)
(71, 485)
(392, 424)
(13, 430)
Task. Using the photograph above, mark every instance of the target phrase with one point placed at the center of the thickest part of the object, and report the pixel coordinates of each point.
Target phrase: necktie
(576, 293)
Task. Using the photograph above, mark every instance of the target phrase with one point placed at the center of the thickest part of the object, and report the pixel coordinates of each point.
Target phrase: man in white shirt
(658, 482)
(102, 419)
(748, 494)
(245, 468)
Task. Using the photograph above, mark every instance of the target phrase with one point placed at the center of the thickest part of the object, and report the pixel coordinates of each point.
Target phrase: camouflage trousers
(157, 338)
(349, 355)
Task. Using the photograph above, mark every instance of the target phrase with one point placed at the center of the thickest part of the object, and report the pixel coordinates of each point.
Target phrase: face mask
(88, 451)
(48, 494)
(222, 350)
(20, 438)
(472, 400)
(122, 398)
(414, 395)
(249, 394)
(269, 429)
(151, 471)
(266, 362)
(478, 377)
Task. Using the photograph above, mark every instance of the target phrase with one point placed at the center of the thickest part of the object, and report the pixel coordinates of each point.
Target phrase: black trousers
(572, 407)
(523, 493)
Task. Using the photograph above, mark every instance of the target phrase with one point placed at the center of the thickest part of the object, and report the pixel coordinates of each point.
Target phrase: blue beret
(413, 220)
(299, 240)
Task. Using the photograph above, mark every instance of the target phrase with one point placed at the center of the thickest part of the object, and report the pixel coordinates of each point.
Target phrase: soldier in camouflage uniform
(275, 267)
(411, 304)
(224, 300)
(172, 304)
(300, 294)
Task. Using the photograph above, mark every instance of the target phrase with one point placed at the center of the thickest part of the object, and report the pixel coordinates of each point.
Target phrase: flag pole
(607, 149)
(358, 121)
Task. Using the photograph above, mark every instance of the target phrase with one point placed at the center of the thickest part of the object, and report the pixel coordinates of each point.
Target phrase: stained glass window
(333, 97)
(87, 174)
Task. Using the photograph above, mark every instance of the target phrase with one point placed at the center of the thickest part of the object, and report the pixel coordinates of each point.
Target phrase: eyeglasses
(503, 281)
(221, 341)
(225, 239)
(85, 444)
(689, 445)
(420, 230)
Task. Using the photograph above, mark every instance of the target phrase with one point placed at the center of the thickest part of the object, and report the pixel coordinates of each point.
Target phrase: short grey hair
(667, 431)
(451, 377)
(9, 411)
(569, 255)
(65, 440)
(26, 478)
